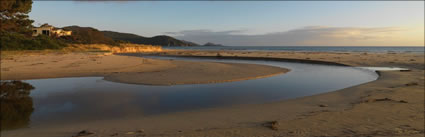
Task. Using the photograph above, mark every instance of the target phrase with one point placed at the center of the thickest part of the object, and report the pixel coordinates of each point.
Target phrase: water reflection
(62, 101)
(16, 104)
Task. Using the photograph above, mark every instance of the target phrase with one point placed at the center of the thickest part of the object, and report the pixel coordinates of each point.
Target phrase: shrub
(16, 41)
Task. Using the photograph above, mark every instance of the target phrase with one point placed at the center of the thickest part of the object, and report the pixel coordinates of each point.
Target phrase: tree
(14, 16)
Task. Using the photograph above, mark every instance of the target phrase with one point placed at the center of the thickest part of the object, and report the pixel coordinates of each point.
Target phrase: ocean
(308, 48)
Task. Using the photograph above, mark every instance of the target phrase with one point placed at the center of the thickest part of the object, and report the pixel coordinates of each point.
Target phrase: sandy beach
(393, 105)
(133, 70)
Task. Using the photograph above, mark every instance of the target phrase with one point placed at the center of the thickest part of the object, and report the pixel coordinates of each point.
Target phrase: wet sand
(393, 105)
(133, 70)
(409, 60)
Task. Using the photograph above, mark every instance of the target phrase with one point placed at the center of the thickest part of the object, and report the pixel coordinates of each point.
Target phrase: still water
(84, 99)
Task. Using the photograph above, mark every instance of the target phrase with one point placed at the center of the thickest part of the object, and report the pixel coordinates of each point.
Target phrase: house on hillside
(49, 30)
(44, 29)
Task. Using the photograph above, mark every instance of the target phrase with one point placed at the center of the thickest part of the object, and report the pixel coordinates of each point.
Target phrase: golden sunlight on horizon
(412, 35)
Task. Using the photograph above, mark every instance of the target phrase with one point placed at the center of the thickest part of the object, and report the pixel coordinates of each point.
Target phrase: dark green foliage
(16, 104)
(15, 6)
(15, 28)
(13, 16)
(16, 41)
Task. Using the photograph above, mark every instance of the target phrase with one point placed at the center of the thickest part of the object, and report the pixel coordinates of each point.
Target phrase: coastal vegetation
(14, 16)
(17, 41)
(15, 28)
(121, 48)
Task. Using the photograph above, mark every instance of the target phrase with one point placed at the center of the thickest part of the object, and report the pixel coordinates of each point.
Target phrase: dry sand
(393, 105)
(409, 60)
(125, 69)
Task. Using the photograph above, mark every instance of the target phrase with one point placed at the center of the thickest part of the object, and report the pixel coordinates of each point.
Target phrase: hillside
(88, 35)
(128, 37)
(157, 40)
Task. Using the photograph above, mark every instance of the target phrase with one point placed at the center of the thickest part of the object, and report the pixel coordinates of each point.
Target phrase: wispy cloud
(205, 32)
(307, 36)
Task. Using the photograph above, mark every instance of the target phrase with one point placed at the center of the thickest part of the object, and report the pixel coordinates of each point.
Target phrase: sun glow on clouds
(311, 36)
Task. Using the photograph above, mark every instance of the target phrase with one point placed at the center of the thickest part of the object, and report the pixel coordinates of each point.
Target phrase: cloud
(205, 32)
(307, 36)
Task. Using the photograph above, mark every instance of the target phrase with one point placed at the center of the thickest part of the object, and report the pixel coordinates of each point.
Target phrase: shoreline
(357, 59)
(390, 106)
(242, 58)
(130, 70)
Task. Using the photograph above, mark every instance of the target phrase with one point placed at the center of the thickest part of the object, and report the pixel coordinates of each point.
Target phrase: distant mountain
(88, 35)
(211, 44)
(157, 40)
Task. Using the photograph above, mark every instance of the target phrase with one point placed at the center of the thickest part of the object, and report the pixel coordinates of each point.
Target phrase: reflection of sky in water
(54, 108)
(91, 98)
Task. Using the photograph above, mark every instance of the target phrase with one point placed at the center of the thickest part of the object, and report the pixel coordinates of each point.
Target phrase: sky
(248, 23)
